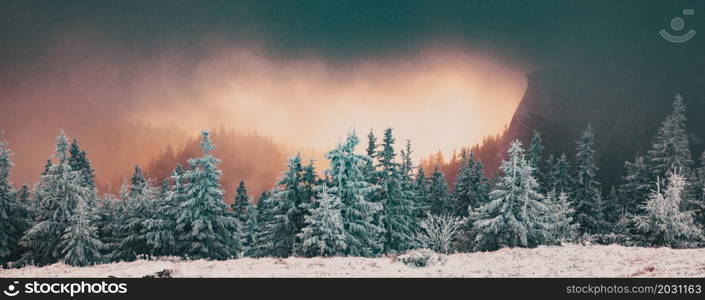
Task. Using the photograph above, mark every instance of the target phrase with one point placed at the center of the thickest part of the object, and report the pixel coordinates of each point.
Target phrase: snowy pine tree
(559, 218)
(671, 150)
(80, 244)
(439, 199)
(533, 153)
(586, 195)
(57, 195)
(323, 234)
(249, 230)
(140, 206)
(8, 201)
(663, 223)
(471, 186)
(286, 213)
(397, 202)
(204, 227)
(514, 217)
(636, 187)
(241, 202)
(421, 191)
(349, 183)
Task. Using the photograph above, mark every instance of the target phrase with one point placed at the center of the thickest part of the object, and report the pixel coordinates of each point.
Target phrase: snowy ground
(565, 261)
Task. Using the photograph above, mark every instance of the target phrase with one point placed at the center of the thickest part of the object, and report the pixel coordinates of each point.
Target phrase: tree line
(366, 203)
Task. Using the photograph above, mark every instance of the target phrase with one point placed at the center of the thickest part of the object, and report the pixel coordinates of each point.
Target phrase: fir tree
(613, 209)
(671, 149)
(249, 231)
(421, 191)
(397, 203)
(80, 243)
(533, 153)
(78, 160)
(286, 213)
(349, 183)
(110, 213)
(559, 177)
(698, 192)
(471, 186)
(159, 225)
(57, 195)
(8, 202)
(323, 234)
(439, 199)
(514, 217)
(141, 202)
(663, 224)
(205, 228)
(241, 202)
(586, 196)
(262, 243)
(559, 218)
(636, 187)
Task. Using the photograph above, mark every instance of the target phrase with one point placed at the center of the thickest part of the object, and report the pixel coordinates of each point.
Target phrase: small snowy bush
(421, 258)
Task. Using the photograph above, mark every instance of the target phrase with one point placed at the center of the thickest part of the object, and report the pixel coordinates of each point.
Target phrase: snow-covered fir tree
(671, 149)
(559, 177)
(421, 191)
(110, 211)
(559, 218)
(698, 192)
(286, 214)
(141, 201)
(241, 202)
(249, 230)
(349, 183)
(159, 225)
(663, 223)
(586, 194)
(205, 229)
(471, 186)
(514, 217)
(533, 153)
(323, 234)
(262, 244)
(439, 199)
(8, 201)
(80, 244)
(56, 197)
(636, 186)
(613, 209)
(78, 160)
(397, 202)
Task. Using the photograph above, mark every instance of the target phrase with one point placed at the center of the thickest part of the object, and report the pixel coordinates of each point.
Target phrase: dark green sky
(535, 32)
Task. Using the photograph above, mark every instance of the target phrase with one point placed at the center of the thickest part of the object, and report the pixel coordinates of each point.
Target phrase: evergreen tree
(438, 196)
(559, 177)
(141, 202)
(586, 196)
(421, 191)
(560, 218)
(249, 231)
(663, 224)
(262, 244)
(78, 160)
(57, 195)
(80, 243)
(533, 153)
(698, 192)
(159, 225)
(671, 149)
(471, 186)
(286, 213)
(613, 209)
(515, 215)
(636, 187)
(324, 234)
(8, 202)
(204, 226)
(110, 214)
(349, 183)
(397, 202)
(241, 202)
